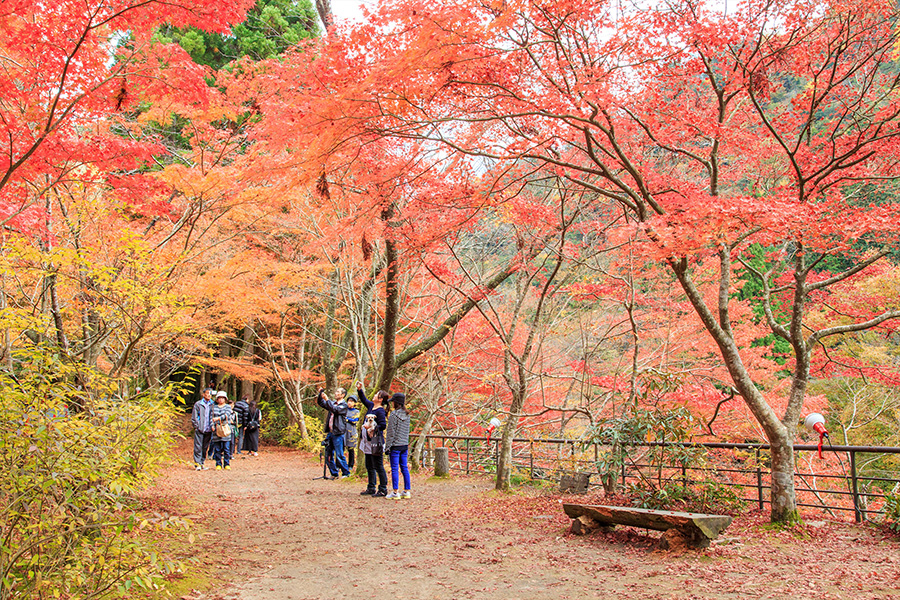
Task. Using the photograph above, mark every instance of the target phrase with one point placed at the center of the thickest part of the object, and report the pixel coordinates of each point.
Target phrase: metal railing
(860, 486)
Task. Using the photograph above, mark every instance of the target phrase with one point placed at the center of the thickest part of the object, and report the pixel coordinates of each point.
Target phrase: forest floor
(270, 530)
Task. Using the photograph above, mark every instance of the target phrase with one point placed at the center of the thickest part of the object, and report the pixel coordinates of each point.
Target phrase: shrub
(290, 435)
(66, 481)
(623, 443)
(704, 496)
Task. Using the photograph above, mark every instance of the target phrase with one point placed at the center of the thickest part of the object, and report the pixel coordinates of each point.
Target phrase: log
(697, 529)
(441, 462)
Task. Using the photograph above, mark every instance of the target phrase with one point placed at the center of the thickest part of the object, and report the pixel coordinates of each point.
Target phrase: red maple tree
(773, 126)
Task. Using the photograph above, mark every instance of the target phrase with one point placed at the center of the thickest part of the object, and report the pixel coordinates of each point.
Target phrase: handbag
(223, 430)
(378, 443)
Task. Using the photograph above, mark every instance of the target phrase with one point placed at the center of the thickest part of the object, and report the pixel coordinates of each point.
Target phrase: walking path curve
(275, 532)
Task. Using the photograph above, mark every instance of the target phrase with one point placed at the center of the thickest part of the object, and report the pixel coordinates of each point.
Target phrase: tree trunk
(778, 434)
(295, 409)
(323, 7)
(783, 496)
(7, 339)
(153, 370)
(418, 452)
(504, 461)
(391, 318)
(50, 288)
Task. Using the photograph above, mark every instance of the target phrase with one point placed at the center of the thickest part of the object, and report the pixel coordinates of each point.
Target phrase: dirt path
(277, 533)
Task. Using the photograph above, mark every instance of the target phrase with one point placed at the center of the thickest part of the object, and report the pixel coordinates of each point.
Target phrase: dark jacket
(242, 411)
(380, 413)
(339, 410)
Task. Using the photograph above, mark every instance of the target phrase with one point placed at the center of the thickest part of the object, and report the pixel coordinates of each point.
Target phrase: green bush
(704, 496)
(66, 484)
(622, 443)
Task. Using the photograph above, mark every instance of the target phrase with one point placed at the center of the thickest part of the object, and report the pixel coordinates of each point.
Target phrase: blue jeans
(222, 450)
(337, 443)
(398, 465)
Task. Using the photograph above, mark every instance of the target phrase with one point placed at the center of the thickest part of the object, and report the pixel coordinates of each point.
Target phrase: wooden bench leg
(583, 525)
(677, 539)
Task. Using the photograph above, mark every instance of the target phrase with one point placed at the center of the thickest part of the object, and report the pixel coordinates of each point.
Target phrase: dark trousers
(351, 458)
(237, 441)
(251, 440)
(201, 445)
(375, 467)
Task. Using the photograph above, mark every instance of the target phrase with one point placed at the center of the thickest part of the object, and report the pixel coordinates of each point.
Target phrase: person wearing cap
(201, 419)
(396, 445)
(222, 445)
(336, 428)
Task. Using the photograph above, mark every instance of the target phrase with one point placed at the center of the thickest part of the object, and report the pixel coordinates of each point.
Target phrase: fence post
(855, 485)
(442, 462)
(467, 456)
(759, 485)
(531, 458)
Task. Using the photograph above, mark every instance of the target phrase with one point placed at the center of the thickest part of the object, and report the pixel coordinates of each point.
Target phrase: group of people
(222, 429)
(385, 431)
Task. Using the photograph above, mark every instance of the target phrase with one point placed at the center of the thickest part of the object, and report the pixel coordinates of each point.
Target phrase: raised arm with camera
(374, 407)
(373, 445)
(337, 422)
(335, 427)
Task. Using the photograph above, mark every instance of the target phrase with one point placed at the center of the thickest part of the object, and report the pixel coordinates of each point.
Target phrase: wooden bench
(695, 529)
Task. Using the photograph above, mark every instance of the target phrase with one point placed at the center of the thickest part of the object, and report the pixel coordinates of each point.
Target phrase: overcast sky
(349, 9)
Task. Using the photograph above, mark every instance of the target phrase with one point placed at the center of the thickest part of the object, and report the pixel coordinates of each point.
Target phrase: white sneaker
(405, 495)
(198, 467)
(393, 496)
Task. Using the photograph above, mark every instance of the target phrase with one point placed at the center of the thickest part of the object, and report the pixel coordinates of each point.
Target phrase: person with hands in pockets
(396, 445)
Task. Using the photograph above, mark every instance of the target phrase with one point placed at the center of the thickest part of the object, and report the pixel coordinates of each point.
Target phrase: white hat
(222, 395)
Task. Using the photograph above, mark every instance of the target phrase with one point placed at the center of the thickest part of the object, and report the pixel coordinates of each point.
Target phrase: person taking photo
(371, 441)
(336, 428)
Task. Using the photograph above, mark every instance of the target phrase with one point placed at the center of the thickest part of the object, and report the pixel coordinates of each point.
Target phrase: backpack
(254, 422)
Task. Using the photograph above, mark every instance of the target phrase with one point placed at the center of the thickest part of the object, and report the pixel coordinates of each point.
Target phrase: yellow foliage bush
(66, 484)
(315, 431)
